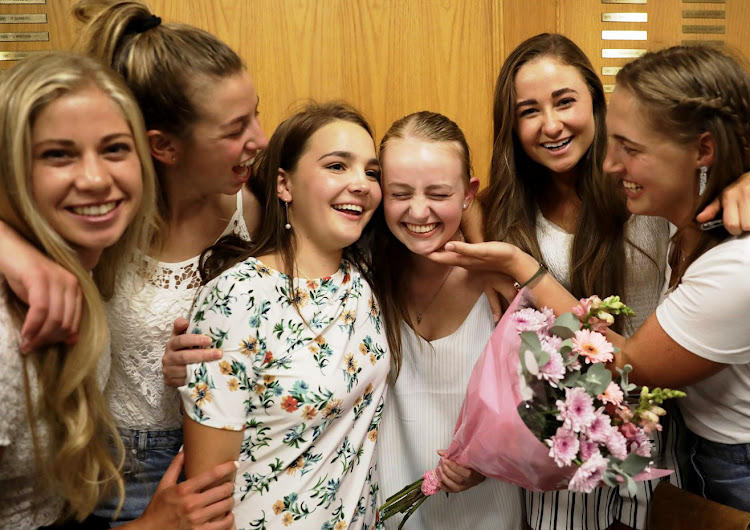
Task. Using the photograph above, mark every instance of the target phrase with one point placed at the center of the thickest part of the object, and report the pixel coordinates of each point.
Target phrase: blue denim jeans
(721, 472)
(147, 457)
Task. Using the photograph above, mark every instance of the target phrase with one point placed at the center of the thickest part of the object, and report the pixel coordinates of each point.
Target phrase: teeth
(557, 145)
(349, 207)
(95, 209)
(421, 229)
(631, 185)
(247, 163)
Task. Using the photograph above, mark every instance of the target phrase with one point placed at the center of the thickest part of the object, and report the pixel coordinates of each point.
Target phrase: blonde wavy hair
(79, 464)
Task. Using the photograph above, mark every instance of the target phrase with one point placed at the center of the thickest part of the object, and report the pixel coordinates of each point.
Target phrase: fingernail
(218, 354)
(181, 448)
(237, 464)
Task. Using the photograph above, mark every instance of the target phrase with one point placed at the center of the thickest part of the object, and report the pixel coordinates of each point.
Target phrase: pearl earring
(286, 207)
(464, 206)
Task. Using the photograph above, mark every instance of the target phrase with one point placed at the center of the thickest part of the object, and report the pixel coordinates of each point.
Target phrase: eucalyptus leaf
(634, 464)
(597, 378)
(531, 342)
(566, 325)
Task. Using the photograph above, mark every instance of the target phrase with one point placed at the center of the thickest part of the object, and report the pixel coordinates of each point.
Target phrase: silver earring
(702, 180)
(286, 207)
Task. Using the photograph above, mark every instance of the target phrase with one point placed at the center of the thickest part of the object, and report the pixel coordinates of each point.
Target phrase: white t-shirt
(707, 314)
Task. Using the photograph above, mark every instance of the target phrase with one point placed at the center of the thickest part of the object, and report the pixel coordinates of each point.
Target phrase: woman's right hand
(183, 349)
(51, 292)
(186, 505)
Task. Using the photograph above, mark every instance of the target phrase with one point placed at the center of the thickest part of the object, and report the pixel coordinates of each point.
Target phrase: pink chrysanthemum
(588, 448)
(612, 394)
(640, 444)
(617, 445)
(600, 428)
(554, 370)
(563, 446)
(529, 320)
(553, 342)
(593, 346)
(577, 411)
(589, 475)
(550, 316)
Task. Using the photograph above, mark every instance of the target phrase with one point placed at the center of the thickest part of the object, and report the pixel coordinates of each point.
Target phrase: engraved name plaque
(28, 36)
(624, 17)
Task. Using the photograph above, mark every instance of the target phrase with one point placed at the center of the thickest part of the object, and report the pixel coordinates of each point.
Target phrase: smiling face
(554, 114)
(333, 190)
(425, 188)
(85, 172)
(216, 157)
(658, 174)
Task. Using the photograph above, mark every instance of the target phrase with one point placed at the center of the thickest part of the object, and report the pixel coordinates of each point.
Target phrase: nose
(359, 183)
(552, 126)
(93, 177)
(612, 163)
(418, 208)
(257, 138)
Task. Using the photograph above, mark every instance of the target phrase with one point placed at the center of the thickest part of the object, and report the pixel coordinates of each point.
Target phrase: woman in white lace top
(200, 109)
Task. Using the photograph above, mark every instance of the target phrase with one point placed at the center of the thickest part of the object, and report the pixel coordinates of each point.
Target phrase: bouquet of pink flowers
(543, 411)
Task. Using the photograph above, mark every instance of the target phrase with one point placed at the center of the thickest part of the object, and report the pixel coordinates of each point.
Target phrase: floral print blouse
(305, 384)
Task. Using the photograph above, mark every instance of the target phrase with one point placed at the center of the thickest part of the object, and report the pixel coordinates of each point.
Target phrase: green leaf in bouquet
(596, 379)
(566, 347)
(626, 386)
(571, 379)
(634, 464)
(610, 478)
(530, 342)
(566, 325)
(630, 483)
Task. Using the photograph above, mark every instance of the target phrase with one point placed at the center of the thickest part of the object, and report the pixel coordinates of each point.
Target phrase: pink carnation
(640, 444)
(577, 412)
(589, 475)
(582, 309)
(630, 430)
(593, 346)
(612, 394)
(617, 445)
(563, 446)
(431, 483)
(530, 320)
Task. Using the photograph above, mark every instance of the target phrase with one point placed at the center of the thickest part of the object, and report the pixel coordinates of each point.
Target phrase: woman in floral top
(298, 394)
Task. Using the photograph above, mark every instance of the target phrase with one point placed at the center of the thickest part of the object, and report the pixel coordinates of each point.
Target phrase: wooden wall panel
(391, 57)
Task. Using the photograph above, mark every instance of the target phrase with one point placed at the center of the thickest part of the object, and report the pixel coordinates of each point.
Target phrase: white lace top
(141, 313)
(24, 504)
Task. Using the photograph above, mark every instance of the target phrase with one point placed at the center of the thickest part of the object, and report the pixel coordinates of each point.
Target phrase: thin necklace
(434, 296)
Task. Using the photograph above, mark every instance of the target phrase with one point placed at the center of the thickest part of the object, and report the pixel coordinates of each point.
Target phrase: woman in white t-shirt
(438, 322)
(678, 127)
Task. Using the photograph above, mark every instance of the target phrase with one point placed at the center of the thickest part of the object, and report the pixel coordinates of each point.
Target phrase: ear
(283, 188)
(706, 150)
(164, 147)
(471, 190)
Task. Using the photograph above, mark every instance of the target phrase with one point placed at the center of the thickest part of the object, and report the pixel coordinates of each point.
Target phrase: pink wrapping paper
(490, 437)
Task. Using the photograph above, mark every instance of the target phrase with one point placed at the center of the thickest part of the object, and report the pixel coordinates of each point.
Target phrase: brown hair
(516, 182)
(286, 146)
(389, 255)
(163, 64)
(684, 92)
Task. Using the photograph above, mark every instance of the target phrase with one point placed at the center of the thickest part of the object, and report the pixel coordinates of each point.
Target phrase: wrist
(524, 268)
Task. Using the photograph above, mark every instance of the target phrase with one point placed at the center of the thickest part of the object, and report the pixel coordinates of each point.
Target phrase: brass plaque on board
(704, 1)
(713, 30)
(23, 19)
(624, 17)
(611, 70)
(23, 1)
(17, 56)
(691, 42)
(690, 13)
(624, 35)
(608, 89)
(622, 53)
(624, 1)
(29, 36)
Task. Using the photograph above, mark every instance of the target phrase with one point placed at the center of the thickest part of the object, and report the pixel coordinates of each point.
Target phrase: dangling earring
(286, 207)
(702, 180)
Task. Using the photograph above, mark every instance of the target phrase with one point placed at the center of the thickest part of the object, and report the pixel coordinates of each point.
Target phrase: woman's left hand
(457, 478)
(735, 203)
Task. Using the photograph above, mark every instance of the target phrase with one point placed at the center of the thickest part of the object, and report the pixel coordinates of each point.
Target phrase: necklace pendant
(419, 318)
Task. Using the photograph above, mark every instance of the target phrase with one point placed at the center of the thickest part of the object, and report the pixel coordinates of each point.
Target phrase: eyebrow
(556, 94)
(66, 142)
(626, 139)
(346, 155)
